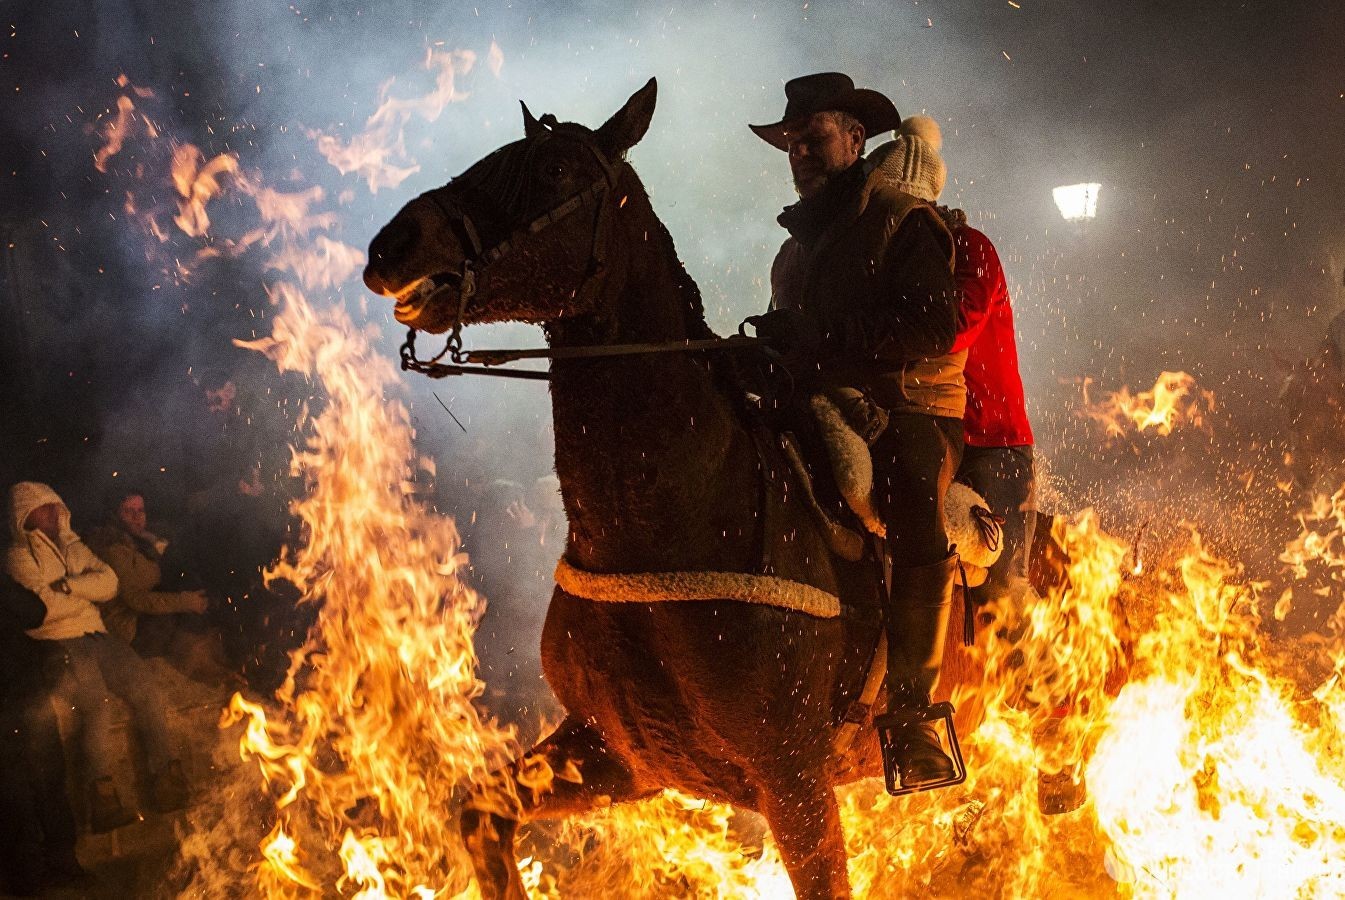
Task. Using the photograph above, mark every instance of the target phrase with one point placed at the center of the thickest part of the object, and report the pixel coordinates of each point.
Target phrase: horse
(660, 472)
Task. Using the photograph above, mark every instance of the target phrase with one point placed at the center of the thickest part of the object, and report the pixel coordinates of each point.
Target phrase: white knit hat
(912, 161)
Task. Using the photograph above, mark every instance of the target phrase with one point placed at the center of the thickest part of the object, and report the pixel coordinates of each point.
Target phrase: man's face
(220, 400)
(819, 149)
(131, 514)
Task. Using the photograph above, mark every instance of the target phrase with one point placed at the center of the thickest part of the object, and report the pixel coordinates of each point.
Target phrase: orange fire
(1175, 401)
(1209, 771)
(118, 130)
(197, 183)
(378, 154)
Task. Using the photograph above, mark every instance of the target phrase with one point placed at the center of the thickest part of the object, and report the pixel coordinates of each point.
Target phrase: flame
(1162, 409)
(385, 684)
(116, 131)
(282, 856)
(1210, 776)
(197, 183)
(1322, 539)
(375, 727)
(378, 153)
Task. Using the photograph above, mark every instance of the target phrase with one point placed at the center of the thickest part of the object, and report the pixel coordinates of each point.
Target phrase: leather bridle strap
(467, 279)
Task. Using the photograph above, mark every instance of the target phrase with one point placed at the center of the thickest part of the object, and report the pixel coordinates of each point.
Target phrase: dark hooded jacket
(872, 267)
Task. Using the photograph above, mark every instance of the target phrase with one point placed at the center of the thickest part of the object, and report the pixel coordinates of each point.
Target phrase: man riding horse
(865, 308)
(703, 635)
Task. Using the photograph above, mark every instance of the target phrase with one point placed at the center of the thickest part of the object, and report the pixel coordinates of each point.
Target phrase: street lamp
(1077, 202)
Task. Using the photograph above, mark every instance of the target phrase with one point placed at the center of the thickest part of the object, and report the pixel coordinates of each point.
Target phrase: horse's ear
(531, 127)
(624, 130)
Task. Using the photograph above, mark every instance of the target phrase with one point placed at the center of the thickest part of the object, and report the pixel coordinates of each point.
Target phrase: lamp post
(1077, 202)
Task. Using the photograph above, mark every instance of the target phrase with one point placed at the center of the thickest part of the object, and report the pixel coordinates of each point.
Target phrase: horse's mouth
(412, 300)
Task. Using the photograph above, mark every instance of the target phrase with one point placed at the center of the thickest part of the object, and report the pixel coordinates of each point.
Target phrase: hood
(27, 496)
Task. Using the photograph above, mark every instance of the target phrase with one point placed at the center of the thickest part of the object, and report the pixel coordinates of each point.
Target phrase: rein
(483, 362)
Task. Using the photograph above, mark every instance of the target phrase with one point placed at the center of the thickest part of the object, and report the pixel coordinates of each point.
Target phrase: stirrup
(891, 725)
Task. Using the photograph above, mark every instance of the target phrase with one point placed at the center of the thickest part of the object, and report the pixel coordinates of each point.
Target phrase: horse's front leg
(805, 820)
(570, 772)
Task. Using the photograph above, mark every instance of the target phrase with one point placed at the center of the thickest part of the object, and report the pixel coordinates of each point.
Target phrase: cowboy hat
(829, 91)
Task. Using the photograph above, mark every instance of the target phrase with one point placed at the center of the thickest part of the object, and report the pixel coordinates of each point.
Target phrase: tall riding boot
(917, 621)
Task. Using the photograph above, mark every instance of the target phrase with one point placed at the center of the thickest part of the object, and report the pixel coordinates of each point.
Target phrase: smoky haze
(1214, 129)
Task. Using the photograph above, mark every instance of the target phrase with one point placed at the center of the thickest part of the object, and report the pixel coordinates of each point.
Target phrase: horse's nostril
(373, 281)
(394, 241)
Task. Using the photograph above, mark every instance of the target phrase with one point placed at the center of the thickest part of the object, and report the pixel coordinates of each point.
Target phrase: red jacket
(996, 414)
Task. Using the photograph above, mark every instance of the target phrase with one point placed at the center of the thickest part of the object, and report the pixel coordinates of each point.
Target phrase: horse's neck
(642, 442)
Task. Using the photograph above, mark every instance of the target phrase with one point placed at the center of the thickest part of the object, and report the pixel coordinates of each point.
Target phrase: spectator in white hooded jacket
(87, 664)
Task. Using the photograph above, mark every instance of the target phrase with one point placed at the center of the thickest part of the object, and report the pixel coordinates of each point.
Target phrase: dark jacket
(20, 661)
(872, 267)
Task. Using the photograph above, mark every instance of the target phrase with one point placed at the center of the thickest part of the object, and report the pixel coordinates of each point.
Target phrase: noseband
(468, 278)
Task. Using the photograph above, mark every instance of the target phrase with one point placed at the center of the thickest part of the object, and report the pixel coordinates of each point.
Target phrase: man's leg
(132, 679)
(913, 462)
(128, 676)
(80, 681)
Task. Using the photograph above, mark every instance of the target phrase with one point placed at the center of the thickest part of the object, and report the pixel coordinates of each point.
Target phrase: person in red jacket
(997, 458)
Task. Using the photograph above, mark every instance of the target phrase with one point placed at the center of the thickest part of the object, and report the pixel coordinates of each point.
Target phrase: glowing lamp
(1077, 202)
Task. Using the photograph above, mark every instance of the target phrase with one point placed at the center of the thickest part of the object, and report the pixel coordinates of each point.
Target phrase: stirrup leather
(891, 725)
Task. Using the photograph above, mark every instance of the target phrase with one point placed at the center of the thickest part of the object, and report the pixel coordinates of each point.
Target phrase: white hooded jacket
(36, 562)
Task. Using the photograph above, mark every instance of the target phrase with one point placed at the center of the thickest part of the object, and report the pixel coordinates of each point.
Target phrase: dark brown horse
(722, 699)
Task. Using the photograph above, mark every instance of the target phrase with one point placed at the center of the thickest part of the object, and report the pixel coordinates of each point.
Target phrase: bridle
(469, 278)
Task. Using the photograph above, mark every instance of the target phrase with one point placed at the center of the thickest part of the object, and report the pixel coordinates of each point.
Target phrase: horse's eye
(557, 171)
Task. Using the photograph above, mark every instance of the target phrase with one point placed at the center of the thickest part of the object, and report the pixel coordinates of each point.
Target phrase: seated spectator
(37, 826)
(155, 622)
(49, 559)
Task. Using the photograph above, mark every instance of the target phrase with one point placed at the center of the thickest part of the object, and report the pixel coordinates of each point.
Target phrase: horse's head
(519, 236)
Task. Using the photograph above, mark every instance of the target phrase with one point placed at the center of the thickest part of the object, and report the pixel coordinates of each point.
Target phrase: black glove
(789, 332)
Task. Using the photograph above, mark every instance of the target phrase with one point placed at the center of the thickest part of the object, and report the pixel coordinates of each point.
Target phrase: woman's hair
(115, 497)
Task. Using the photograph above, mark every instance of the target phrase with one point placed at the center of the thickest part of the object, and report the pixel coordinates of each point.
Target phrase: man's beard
(817, 182)
(811, 185)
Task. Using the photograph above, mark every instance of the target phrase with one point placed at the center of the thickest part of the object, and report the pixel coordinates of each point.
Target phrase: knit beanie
(912, 162)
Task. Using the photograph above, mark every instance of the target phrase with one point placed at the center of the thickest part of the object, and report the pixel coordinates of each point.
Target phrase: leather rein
(468, 279)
